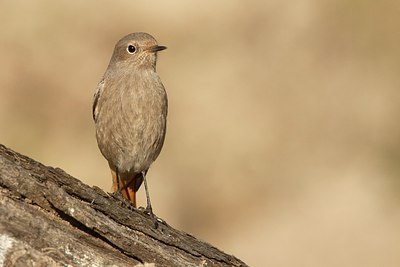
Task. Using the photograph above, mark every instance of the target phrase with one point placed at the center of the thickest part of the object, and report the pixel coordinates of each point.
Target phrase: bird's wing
(97, 94)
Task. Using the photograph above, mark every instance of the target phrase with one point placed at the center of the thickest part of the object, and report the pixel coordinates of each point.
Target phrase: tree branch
(49, 218)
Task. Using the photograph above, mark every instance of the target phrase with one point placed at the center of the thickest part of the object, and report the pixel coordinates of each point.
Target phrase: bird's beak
(156, 48)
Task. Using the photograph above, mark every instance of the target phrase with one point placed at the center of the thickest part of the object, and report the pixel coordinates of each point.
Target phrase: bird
(130, 107)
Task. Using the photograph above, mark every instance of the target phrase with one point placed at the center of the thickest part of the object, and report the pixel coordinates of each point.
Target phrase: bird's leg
(118, 181)
(149, 209)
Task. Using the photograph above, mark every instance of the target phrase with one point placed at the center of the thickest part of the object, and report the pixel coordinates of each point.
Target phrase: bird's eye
(131, 49)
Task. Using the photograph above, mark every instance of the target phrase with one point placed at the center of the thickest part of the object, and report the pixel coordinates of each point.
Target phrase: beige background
(283, 140)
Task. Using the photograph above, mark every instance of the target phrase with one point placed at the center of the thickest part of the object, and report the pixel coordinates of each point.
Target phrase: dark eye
(131, 49)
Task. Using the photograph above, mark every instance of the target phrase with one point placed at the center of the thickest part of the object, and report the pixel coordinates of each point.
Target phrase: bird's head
(136, 50)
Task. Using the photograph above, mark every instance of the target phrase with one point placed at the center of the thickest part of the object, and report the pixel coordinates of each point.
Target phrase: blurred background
(283, 142)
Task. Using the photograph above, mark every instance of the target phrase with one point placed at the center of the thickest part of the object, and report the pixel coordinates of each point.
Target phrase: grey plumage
(130, 107)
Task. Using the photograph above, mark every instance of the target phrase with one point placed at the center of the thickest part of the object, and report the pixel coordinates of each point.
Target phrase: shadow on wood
(49, 218)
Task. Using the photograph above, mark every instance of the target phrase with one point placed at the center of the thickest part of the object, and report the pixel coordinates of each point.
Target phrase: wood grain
(49, 218)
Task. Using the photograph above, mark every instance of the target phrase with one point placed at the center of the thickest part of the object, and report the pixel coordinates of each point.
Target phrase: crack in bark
(80, 226)
(98, 215)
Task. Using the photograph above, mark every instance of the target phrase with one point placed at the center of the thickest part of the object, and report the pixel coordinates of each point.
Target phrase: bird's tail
(127, 184)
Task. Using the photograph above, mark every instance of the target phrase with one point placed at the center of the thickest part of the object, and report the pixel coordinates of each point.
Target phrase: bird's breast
(131, 124)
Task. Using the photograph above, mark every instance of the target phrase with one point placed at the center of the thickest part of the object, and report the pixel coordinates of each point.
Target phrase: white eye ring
(131, 49)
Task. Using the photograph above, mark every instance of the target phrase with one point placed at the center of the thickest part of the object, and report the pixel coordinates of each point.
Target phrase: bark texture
(49, 218)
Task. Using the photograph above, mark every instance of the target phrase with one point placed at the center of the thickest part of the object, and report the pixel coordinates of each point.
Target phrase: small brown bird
(130, 111)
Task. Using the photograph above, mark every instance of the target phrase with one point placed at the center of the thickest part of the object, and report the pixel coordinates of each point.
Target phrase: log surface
(49, 218)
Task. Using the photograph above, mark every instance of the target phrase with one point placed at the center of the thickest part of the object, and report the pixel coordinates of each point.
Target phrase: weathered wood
(49, 218)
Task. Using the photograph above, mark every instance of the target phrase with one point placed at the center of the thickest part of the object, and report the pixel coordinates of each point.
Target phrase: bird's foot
(149, 212)
(126, 203)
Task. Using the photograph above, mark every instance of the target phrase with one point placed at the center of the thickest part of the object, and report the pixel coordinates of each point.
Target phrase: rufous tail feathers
(127, 183)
